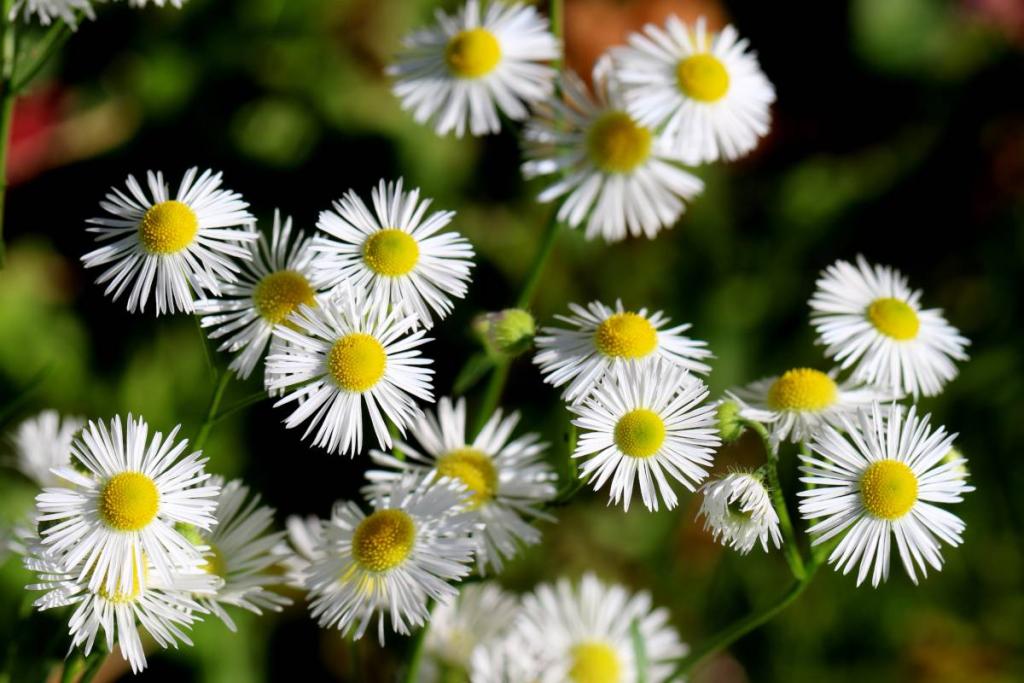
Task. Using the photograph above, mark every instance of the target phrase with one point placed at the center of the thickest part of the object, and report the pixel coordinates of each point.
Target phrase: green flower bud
(507, 333)
(730, 424)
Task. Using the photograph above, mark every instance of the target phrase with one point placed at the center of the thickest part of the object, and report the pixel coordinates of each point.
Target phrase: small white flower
(738, 511)
(479, 617)
(43, 443)
(48, 10)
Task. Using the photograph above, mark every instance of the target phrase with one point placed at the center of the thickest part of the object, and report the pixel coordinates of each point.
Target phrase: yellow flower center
(474, 469)
(594, 663)
(472, 53)
(894, 318)
(216, 563)
(640, 433)
(383, 540)
(391, 252)
(128, 501)
(168, 227)
(888, 489)
(122, 597)
(703, 77)
(617, 144)
(626, 335)
(280, 293)
(802, 389)
(357, 362)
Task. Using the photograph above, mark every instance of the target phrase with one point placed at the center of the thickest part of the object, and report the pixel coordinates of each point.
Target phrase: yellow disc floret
(888, 489)
(802, 389)
(168, 227)
(473, 468)
(280, 293)
(357, 362)
(472, 53)
(216, 563)
(383, 540)
(594, 662)
(618, 144)
(128, 501)
(391, 252)
(626, 335)
(139, 579)
(894, 318)
(640, 433)
(703, 77)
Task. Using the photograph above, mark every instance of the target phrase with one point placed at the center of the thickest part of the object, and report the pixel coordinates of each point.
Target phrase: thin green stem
(41, 53)
(413, 672)
(211, 414)
(9, 411)
(240, 405)
(72, 667)
(8, 59)
(540, 259)
(211, 365)
(492, 395)
(93, 663)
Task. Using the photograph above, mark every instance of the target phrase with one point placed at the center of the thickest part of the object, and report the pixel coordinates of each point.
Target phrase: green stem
(412, 673)
(14, 406)
(249, 400)
(8, 58)
(41, 53)
(93, 663)
(211, 414)
(492, 394)
(72, 667)
(540, 260)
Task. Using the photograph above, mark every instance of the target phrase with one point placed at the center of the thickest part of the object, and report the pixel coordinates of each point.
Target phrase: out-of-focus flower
(738, 511)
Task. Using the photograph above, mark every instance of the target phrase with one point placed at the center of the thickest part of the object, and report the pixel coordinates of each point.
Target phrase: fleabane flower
(877, 479)
(613, 173)
(601, 337)
(118, 508)
(172, 248)
(49, 10)
(411, 547)
(460, 73)
(349, 352)
(507, 478)
(869, 319)
(43, 443)
(648, 424)
(397, 251)
(738, 511)
(704, 91)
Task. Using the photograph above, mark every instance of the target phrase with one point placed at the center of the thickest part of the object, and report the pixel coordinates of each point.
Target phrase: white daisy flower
(614, 173)
(738, 510)
(49, 10)
(304, 546)
(277, 277)
(705, 91)
(173, 247)
(462, 71)
(797, 403)
(869, 319)
(395, 251)
(349, 351)
(479, 617)
(123, 504)
(643, 422)
(508, 479)
(878, 479)
(602, 338)
(43, 443)
(410, 549)
(584, 633)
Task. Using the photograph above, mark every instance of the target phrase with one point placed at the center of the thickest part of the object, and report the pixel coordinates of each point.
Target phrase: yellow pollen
(383, 540)
(472, 53)
(474, 469)
(168, 227)
(640, 433)
(802, 389)
(280, 293)
(121, 597)
(626, 335)
(617, 144)
(888, 489)
(357, 362)
(128, 501)
(894, 318)
(391, 252)
(216, 563)
(703, 77)
(594, 663)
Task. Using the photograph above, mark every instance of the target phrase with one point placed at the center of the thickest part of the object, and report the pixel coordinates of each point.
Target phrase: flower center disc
(888, 489)
(216, 563)
(617, 144)
(640, 433)
(391, 252)
(357, 362)
(802, 389)
(894, 318)
(626, 335)
(168, 227)
(472, 53)
(473, 468)
(594, 663)
(383, 540)
(703, 77)
(280, 293)
(128, 501)
(138, 580)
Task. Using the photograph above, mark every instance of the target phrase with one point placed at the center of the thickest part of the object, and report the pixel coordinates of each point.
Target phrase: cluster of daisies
(72, 11)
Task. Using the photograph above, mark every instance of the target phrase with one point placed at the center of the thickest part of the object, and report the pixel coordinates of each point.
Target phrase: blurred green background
(898, 134)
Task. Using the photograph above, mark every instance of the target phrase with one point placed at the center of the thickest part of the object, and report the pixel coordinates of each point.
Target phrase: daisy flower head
(461, 72)
(349, 352)
(119, 505)
(410, 548)
(738, 511)
(705, 91)
(49, 10)
(880, 478)
(869, 319)
(613, 173)
(642, 423)
(172, 248)
(43, 443)
(507, 478)
(396, 251)
(601, 337)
